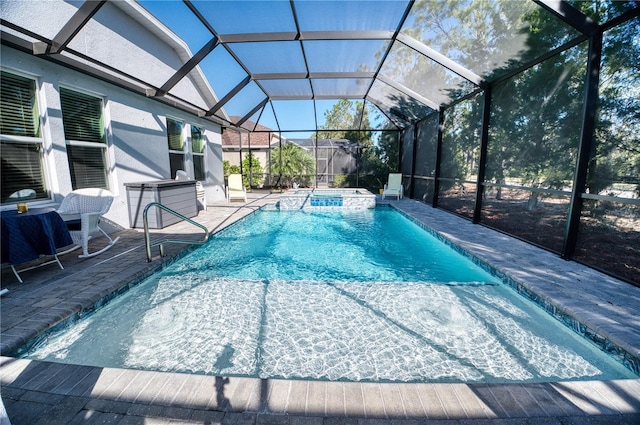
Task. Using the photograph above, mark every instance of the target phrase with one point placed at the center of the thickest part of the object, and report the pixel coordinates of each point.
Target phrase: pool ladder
(147, 239)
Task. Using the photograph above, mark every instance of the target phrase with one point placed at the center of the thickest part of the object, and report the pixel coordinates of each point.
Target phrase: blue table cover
(28, 235)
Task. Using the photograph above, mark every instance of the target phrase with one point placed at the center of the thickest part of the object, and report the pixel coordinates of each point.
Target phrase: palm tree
(292, 163)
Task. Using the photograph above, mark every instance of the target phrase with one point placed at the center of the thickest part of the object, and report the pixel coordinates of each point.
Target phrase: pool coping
(610, 342)
(486, 401)
(126, 391)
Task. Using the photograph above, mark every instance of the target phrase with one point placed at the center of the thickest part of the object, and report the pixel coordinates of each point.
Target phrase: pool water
(354, 295)
(373, 245)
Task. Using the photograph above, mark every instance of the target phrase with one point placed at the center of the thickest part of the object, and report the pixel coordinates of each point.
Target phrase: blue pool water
(377, 245)
(355, 295)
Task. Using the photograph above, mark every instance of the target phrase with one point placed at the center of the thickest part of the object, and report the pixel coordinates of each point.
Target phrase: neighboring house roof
(323, 143)
(262, 137)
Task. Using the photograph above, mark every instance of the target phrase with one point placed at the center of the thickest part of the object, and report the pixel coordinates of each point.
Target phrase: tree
(535, 125)
(227, 168)
(251, 170)
(292, 163)
(373, 161)
(341, 117)
(616, 155)
(535, 115)
(460, 142)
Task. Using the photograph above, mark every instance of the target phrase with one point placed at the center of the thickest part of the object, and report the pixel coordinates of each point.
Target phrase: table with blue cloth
(27, 236)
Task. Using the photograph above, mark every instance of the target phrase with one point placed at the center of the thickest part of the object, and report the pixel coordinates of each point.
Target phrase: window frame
(174, 153)
(38, 140)
(103, 145)
(198, 156)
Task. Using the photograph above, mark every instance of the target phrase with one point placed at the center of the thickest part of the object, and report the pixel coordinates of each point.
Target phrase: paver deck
(36, 392)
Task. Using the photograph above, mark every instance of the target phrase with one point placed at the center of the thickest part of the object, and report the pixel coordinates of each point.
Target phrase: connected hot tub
(353, 199)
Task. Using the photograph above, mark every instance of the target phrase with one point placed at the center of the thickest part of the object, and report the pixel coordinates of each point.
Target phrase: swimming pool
(344, 300)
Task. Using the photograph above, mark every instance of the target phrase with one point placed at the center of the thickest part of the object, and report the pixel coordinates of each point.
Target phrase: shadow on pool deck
(37, 392)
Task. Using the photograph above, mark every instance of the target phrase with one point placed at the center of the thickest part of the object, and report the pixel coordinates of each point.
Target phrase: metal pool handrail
(147, 240)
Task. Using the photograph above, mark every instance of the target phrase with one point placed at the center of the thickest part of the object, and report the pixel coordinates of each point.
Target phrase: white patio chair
(182, 175)
(394, 186)
(235, 188)
(201, 195)
(82, 210)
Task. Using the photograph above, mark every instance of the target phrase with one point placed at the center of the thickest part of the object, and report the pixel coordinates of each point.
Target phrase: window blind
(81, 116)
(198, 167)
(88, 167)
(174, 135)
(18, 106)
(197, 149)
(176, 162)
(176, 143)
(197, 140)
(21, 168)
(82, 120)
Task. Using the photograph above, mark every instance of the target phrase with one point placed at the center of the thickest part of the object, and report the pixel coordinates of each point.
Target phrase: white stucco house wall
(126, 37)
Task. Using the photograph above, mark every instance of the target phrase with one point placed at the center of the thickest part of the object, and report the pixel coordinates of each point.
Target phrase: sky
(224, 73)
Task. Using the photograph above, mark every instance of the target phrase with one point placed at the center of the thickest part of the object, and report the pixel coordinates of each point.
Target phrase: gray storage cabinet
(179, 195)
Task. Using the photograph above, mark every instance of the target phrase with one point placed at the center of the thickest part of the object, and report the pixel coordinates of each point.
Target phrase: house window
(175, 138)
(85, 137)
(197, 151)
(22, 171)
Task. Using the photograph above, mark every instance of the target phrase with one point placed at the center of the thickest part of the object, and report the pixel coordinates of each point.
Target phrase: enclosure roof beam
(316, 97)
(406, 90)
(305, 35)
(361, 115)
(229, 96)
(346, 35)
(388, 111)
(294, 13)
(569, 15)
(257, 37)
(253, 111)
(13, 40)
(70, 29)
(620, 19)
(275, 116)
(187, 67)
(292, 97)
(280, 76)
(337, 96)
(441, 59)
(387, 51)
(118, 78)
(311, 75)
(380, 109)
(358, 74)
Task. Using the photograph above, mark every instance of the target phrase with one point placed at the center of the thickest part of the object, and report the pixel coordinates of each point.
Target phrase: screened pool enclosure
(520, 115)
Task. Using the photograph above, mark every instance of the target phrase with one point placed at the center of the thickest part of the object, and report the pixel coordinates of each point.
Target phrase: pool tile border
(617, 350)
